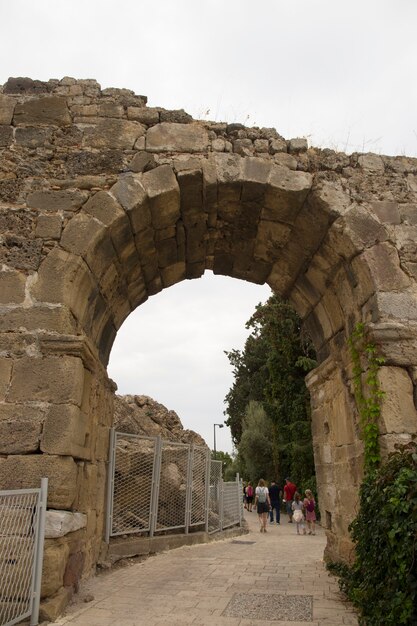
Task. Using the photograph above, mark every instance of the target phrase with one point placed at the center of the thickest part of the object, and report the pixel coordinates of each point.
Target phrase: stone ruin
(141, 415)
(105, 201)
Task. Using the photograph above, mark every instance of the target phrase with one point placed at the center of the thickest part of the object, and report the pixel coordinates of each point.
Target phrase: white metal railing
(22, 531)
(156, 485)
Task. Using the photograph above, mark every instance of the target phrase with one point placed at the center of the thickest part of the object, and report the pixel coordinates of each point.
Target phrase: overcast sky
(341, 74)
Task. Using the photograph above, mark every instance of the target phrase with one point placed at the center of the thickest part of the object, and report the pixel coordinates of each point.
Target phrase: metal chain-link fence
(22, 529)
(157, 485)
(214, 521)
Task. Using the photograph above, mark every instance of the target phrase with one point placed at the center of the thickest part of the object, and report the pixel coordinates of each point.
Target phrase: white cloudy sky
(341, 74)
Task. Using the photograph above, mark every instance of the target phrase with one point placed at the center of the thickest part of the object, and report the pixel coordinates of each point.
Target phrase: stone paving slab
(195, 584)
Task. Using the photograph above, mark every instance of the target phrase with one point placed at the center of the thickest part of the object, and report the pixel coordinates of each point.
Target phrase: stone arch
(106, 202)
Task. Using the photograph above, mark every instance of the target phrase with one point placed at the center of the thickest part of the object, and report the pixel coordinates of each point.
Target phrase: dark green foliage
(271, 371)
(382, 583)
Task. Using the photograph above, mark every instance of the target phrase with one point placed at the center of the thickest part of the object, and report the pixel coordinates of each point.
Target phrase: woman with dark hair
(249, 496)
(262, 504)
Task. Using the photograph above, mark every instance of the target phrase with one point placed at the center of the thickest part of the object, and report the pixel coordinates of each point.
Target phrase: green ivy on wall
(366, 363)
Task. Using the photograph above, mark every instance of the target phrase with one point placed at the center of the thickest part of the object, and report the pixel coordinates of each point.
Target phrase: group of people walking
(268, 499)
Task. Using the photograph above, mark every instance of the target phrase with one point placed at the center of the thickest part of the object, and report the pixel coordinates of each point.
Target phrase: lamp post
(214, 428)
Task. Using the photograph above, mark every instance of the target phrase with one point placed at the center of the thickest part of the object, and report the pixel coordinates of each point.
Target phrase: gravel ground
(270, 607)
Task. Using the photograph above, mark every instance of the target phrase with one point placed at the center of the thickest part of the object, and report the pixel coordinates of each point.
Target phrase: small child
(309, 506)
(298, 516)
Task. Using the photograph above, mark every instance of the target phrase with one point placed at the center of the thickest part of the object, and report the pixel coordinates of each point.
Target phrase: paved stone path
(194, 585)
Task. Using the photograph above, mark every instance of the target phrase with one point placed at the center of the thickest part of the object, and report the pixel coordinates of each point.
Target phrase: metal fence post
(239, 499)
(221, 503)
(189, 487)
(110, 483)
(207, 493)
(156, 476)
(40, 539)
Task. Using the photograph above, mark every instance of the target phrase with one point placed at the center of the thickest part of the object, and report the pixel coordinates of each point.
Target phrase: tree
(224, 457)
(250, 372)
(271, 371)
(256, 447)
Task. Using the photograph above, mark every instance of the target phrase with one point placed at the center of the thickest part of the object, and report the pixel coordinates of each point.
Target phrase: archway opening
(172, 347)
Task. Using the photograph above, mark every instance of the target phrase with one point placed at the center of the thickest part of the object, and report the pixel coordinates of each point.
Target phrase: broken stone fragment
(60, 523)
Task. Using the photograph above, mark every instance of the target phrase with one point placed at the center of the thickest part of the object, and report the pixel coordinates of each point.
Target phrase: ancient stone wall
(105, 201)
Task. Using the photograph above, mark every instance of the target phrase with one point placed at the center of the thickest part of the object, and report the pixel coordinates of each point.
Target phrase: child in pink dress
(309, 507)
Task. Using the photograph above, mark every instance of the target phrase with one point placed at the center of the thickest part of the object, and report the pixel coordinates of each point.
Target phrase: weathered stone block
(6, 136)
(286, 160)
(191, 189)
(142, 162)
(32, 137)
(46, 110)
(6, 365)
(64, 432)
(113, 134)
(270, 239)
(146, 116)
(25, 472)
(277, 145)
(103, 207)
(177, 116)
(218, 144)
(387, 211)
(163, 191)
(130, 193)
(12, 287)
(330, 198)
(110, 109)
(7, 106)
(94, 163)
(167, 252)
(243, 147)
(82, 234)
(55, 558)
(255, 174)
(38, 317)
(24, 85)
(392, 305)
(354, 231)
(59, 379)
(285, 194)
(173, 274)
(49, 226)
(299, 144)
(384, 267)
(54, 606)
(398, 413)
(18, 434)
(21, 253)
(63, 200)
(60, 523)
(371, 163)
(173, 137)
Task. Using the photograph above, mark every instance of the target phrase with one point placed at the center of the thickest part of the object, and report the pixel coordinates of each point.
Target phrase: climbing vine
(366, 363)
(382, 581)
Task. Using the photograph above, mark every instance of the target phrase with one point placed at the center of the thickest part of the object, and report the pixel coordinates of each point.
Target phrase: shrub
(382, 582)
